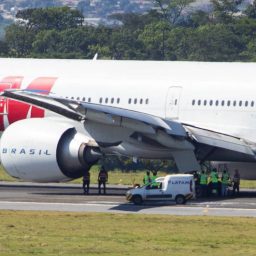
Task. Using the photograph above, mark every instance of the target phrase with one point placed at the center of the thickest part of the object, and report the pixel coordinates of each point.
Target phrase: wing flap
(219, 140)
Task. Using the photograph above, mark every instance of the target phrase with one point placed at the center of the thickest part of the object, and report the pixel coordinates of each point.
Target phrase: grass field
(118, 177)
(51, 233)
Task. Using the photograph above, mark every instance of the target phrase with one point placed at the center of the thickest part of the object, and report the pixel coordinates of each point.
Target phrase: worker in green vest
(147, 178)
(153, 180)
(203, 184)
(225, 181)
(214, 180)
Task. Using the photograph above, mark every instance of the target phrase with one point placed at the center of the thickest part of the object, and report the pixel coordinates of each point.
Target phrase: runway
(69, 197)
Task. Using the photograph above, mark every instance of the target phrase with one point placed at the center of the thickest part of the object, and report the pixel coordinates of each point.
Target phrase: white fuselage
(215, 96)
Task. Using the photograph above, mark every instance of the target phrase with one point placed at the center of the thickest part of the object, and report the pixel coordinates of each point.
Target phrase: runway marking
(89, 207)
(52, 203)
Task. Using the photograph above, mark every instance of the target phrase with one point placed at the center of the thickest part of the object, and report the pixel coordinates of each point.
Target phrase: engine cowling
(46, 150)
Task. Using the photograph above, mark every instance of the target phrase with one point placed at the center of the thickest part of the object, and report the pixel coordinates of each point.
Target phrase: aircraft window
(176, 102)
(252, 103)
(199, 102)
(78, 98)
(72, 98)
(234, 103)
(228, 103)
(240, 103)
(106, 100)
(118, 100)
(89, 99)
(246, 103)
(211, 102)
(141, 101)
(83, 99)
(130, 101)
(193, 102)
(135, 101)
(216, 102)
(147, 101)
(101, 100)
(223, 103)
(112, 100)
(205, 102)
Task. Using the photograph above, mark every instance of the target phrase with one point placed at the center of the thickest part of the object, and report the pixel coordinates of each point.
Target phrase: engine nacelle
(46, 150)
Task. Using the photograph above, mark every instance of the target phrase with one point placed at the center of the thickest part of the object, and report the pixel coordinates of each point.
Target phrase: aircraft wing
(208, 145)
(219, 140)
(79, 111)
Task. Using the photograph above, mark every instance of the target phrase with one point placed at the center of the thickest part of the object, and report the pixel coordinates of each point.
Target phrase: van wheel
(137, 199)
(180, 199)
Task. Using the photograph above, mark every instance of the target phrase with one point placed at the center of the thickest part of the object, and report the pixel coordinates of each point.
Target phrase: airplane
(59, 117)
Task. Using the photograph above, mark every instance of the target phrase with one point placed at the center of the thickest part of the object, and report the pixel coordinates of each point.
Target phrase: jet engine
(47, 150)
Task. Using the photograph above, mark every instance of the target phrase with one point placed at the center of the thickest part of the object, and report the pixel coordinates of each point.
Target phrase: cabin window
(100, 100)
(141, 101)
(199, 102)
(112, 100)
(135, 101)
(130, 101)
(205, 102)
(228, 103)
(246, 103)
(147, 101)
(240, 103)
(223, 103)
(216, 102)
(106, 100)
(118, 100)
(211, 102)
(89, 99)
(234, 103)
(193, 102)
(252, 104)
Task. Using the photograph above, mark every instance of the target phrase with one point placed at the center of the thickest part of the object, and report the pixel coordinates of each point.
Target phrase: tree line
(226, 32)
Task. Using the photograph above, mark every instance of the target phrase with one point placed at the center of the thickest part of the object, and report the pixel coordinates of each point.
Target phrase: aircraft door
(173, 102)
(3, 100)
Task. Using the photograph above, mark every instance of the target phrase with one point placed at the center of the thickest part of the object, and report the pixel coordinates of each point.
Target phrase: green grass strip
(53, 233)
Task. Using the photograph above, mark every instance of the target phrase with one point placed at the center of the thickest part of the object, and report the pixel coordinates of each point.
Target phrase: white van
(178, 187)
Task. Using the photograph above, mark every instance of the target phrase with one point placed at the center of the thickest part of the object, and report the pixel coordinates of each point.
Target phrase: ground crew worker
(86, 182)
(102, 179)
(203, 184)
(214, 180)
(219, 174)
(153, 180)
(225, 181)
(236, 182)
(197, 182)
(147, 178)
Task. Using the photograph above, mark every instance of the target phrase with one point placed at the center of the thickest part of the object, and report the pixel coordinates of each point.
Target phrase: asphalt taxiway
(69, 197)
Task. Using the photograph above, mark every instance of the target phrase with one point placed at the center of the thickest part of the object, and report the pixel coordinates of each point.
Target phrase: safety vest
(154, 183)
(214, 177)
(203, 179)
(225, 178)
(146, 179)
